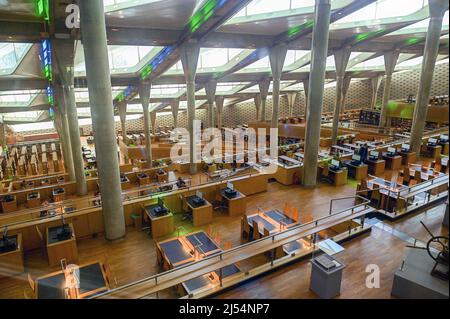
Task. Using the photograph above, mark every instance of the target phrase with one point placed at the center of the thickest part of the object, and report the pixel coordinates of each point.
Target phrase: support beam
(306, 92)
(62, 124)
(277, 55)
(153, 121)
(219, 111)
(257, 100)
(263, 91)
(376, 82)
(316, 89)
(210, 89)
(390, 60)
(189, 53)
(144, 95)
(345, 87)
(175, 105)
(93, 31)
(291, 102)
(341, 58)
(437, 11)
(122, 108)
(64, 58)
(3, 136)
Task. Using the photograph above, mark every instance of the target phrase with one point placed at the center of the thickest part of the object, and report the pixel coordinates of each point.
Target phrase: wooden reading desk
(201, 215)
(61, 249)
(161, 225)
(93, 281)
(237, 205)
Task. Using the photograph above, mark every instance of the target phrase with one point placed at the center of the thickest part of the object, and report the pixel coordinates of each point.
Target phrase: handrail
(221, 256)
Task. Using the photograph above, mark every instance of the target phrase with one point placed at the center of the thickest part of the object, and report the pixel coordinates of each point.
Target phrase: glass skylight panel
(330, 62)
(164, 90)
(211, 58)
(267, 6)
(22, 116)
(11, 54)
(375, 62)
(26, 127)
(17, 97)
(295, 4)
(293, 56)
(384, 9)
(260, 64)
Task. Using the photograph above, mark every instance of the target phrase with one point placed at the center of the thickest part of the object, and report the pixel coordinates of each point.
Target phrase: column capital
(341, 58)
(210, 88)
(390, 61)
(189, 53)
(264, 88)
(277, 55)
(437, 8)
(144, 92)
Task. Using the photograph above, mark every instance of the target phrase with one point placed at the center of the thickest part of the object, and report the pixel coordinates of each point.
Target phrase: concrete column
(219, 105)
(122, 108)
(277, 55)
(175, 105)
(62, 125)
(390, 60)
(306, 92)
(263, 91)
(93, 30)
(3, 135)
(341, 58)
(376, 82)
(189, 58)
(437, 10)
(144, 95)
(257, 100)
(345, 87)
(65, 57)
(153, 121)
(291, 102)
(316, 89)
(210, 89)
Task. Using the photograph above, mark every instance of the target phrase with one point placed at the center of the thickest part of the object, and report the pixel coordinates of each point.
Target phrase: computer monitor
(199, 194)
(405, 147)
(374, 153)
(443, 137)
(356, 157)
(432, 141)
(335, 163)
(230, 186)
(391, 150)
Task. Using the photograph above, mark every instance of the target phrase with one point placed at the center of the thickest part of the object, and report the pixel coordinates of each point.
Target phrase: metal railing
(233, 255)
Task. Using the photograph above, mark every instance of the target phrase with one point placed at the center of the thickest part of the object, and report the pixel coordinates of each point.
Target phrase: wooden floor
(379, 248)
(135, 257)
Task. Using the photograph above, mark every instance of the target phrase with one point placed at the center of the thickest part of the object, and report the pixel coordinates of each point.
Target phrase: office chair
(186, 213)
(220, 203)
(326, 175)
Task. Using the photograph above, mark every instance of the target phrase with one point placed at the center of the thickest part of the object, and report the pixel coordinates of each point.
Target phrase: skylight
(383, 9)
(10, 56)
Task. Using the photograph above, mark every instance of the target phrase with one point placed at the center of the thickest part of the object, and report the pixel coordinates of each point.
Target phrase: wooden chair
(406, 176)
(295, 214)
(107, 271)
(400, 180)
(426, 165)
(437, 167)
(412, 182)
(418, 176)
(266, 232)
(245, 227)
(438, 161)
(227, 245)
(256, 234)
(376, 195)
(31, 282)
